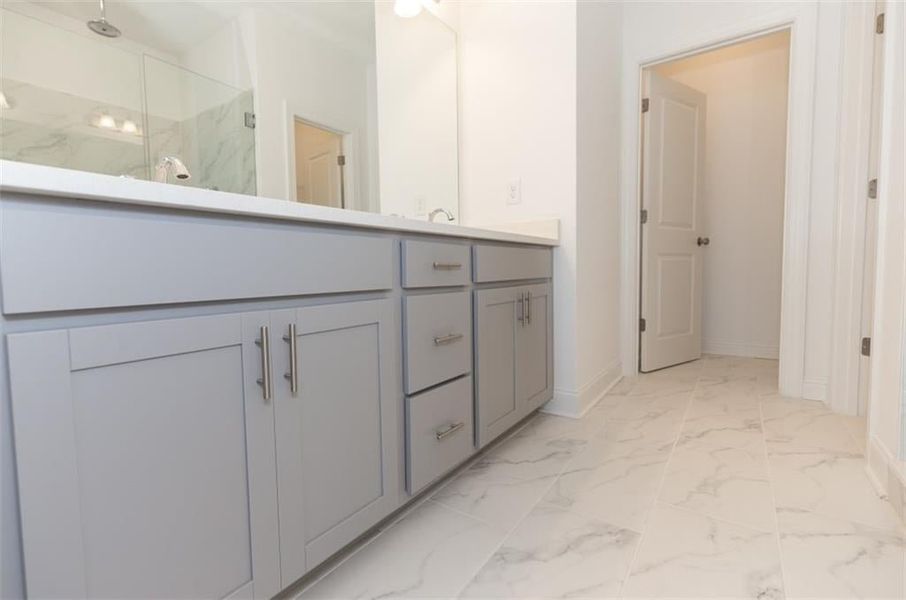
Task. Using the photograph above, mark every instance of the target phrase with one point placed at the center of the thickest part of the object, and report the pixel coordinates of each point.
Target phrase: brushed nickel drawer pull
(442, 266)
(447, 339)
(443, 433)
(528, 308)
(265, 381)
(293, 375)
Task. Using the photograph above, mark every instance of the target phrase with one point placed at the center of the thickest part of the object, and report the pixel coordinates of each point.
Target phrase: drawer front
(439, 432)
(438, 335)
(435, 264)
(510, 263)
(58, 256)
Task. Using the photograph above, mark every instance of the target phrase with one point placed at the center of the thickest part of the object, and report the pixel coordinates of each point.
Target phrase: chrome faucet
(438, 211)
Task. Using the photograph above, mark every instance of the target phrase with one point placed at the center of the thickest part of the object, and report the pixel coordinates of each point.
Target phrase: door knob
(704, 241)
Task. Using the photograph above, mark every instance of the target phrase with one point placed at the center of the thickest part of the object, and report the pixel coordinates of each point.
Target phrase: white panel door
(672, 191)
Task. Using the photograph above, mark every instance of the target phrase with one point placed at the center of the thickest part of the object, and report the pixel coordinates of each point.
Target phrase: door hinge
(250, 120)
(644, 216)
(873, 189)
(645, 104)
(866, 346)
(642, 325)
(879, 23)
(341, 159)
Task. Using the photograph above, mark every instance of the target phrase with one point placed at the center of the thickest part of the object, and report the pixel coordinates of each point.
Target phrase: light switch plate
(421, 206)
(514, 191)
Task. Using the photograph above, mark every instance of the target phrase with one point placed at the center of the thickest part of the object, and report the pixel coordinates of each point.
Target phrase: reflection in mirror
(341, 104)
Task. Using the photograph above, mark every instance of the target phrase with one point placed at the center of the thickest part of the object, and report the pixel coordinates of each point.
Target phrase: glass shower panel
(68, 100)
(203, 123)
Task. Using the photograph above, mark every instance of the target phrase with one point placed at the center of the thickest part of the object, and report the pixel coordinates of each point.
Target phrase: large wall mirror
(347, 104)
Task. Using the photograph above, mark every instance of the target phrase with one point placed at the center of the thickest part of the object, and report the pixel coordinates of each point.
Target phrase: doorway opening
(713, 187)
(320, 165)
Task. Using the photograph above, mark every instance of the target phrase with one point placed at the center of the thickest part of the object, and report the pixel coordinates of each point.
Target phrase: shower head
(171, 165)
(102, 26)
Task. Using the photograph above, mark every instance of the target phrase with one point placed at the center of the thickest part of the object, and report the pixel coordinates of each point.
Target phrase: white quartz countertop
(66, 183)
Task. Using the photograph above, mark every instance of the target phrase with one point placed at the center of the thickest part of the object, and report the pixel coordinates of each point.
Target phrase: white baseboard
(740, 349)
(887, 476)
(814, 389)
(574, 404)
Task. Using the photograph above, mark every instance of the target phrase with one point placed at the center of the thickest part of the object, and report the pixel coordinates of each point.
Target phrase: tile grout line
(777, 534)
(646, 524)
(511, 530)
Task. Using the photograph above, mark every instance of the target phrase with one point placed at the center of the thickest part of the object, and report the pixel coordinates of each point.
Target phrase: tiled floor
(694, 482)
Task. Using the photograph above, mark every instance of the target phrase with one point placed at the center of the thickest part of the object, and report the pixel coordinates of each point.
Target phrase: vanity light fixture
(4, 102)
(129, 127)
(106, 122)
(410, 8)
(407, 8)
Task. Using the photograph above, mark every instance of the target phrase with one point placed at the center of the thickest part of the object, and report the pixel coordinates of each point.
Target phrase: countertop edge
(57, 182)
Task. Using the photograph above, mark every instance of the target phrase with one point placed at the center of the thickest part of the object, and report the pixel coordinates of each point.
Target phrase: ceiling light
(129, 127)
(407, 8)
(4, 103)
(107, 122)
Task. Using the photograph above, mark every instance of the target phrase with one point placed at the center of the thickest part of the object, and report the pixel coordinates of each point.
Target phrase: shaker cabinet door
(145, 460)
(498, 407)
(337, 436)
(534, 344)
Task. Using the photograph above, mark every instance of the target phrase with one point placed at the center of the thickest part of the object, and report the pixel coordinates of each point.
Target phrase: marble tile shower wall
(48, 127)
(215, 145)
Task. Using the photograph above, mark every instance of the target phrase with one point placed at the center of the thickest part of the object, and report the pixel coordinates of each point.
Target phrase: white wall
(598, 200)
(652, 30)
(742, 213)
(417, 113)
(286, 67)
(518, 109)
(540, 104)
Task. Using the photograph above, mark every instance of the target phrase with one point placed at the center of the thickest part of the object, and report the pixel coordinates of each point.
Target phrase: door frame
(853, 161)
(348, 147)
(801, 21)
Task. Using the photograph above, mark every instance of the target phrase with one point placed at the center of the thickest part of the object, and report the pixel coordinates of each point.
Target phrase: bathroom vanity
(234, 389)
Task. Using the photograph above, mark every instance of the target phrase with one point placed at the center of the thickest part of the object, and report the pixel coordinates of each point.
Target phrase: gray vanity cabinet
(146, 460)
(337, 433)
(513, 356)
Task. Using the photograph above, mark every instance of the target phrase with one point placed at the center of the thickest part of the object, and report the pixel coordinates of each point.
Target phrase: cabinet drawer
(435, 264)
(438, 335)
(509, 263)
(438, 432)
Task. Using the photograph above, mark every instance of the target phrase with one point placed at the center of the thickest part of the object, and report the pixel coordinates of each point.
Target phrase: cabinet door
(337, 437)
(534, 345)
(145, 460)
(498, 409)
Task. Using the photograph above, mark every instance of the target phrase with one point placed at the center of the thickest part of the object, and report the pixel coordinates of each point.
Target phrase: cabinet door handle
(528, 308)
(445, 266)
(448, 431)
(265, 381)
(293, 375)
(520, 311)
(447, 339)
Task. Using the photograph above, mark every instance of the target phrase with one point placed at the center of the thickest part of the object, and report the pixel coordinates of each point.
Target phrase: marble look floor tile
(803, 425)
(615, 482)
(501, 503)
(685, 555)
(738, 430)
(833, 558)
(551, 426)
(831, 484)
(727, 483)
(527, 457)
(431, 553)
(554, 553)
